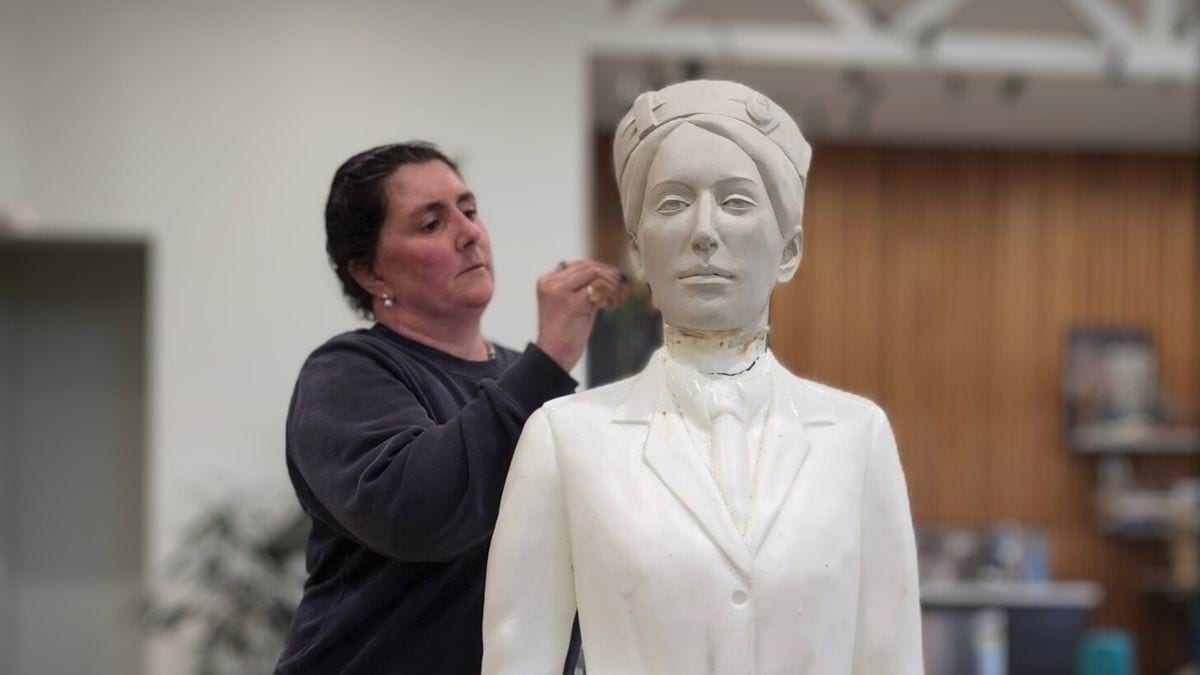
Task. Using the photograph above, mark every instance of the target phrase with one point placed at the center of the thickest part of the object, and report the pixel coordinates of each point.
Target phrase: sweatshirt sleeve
(385, 474)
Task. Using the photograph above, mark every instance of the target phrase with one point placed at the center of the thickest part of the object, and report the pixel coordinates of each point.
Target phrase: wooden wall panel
(942, 284)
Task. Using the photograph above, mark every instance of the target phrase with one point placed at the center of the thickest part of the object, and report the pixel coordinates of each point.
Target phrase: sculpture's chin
(714, 313)
(709, 320)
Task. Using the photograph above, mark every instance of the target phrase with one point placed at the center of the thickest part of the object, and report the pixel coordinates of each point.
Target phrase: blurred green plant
(232, 586)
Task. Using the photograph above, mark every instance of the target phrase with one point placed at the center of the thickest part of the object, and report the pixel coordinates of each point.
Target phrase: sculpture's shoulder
(582, 420)
(591, 403)
(839, 404)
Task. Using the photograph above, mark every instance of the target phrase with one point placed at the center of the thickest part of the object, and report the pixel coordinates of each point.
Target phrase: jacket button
(738, 598)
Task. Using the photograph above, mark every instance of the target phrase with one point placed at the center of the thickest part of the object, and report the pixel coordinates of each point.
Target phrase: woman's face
(433, 250)
(709, 244)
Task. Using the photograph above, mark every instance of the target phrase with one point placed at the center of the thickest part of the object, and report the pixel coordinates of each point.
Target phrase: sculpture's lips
(706, 274)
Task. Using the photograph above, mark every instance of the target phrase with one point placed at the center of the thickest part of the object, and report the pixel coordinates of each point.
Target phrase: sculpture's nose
(704, 235)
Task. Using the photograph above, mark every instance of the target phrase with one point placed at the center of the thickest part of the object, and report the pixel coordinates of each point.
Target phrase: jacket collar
(668, 453)
(648, 394)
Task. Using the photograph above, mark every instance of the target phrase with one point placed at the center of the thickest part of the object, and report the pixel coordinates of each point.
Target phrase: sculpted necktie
(730, 461)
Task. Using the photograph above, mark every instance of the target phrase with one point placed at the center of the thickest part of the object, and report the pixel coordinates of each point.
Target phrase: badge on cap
(761, 113)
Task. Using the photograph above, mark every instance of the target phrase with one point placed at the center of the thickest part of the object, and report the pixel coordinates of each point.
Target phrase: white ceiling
(853, 94)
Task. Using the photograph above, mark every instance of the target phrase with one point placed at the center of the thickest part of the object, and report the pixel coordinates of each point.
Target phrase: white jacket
(609, 510)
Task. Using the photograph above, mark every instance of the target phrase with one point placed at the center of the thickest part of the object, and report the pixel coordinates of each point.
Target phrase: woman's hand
(568, 298)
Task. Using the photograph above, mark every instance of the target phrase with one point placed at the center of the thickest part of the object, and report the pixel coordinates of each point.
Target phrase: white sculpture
(714, 513)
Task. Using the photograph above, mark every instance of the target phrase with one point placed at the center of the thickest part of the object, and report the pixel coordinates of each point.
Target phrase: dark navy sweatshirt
(398, 452)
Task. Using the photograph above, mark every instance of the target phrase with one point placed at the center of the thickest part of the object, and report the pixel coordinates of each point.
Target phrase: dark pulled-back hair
(357, 208)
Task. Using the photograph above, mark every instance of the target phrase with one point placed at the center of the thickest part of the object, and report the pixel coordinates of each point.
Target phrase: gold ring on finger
(593, 294)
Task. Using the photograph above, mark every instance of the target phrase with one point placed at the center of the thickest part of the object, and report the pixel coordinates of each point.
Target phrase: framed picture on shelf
(1111, 380)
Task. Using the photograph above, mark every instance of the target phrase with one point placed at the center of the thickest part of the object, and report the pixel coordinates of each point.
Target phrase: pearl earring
(387, 300)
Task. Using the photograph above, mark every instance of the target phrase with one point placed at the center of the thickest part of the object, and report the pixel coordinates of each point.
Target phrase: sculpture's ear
(635, 257)
(793, 250)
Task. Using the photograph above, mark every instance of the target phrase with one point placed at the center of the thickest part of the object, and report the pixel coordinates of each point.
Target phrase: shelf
(1012, 594)
(1135, 440)
(1168, 590)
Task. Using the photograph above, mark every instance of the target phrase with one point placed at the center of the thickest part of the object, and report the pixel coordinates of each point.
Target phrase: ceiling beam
(918, 17)
(957, 51)
(1107, 21)
(1161, 16)
(640, 12)
(846, 15)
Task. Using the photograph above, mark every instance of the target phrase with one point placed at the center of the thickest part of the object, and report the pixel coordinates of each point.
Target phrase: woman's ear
(364, 273)
(793, 250)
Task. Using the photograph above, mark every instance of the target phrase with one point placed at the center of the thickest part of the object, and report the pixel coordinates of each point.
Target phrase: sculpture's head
(711, 176)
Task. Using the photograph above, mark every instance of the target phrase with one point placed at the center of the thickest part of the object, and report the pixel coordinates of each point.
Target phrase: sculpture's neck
(718, 352)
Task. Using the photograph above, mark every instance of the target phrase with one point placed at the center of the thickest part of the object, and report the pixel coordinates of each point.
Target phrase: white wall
(214, 127)
(11, 69)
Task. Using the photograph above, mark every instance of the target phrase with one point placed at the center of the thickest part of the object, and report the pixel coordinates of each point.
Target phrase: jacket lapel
(670, 455)
(786, 444)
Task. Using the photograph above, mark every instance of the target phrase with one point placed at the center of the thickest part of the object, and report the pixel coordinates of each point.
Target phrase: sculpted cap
(751, 120)
(653, 109)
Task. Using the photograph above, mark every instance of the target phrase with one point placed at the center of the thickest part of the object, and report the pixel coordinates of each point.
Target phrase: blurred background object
(72, 453)
(990, 178)
(234, 583)
(17, 219)
(1108, 653)
(623, 339)
(990, 606)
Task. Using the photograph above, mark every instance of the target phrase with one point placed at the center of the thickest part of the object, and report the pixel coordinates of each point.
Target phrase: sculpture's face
(709, 244)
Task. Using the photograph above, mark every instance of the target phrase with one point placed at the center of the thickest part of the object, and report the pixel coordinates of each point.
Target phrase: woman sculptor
(714, 513)
(399, 436)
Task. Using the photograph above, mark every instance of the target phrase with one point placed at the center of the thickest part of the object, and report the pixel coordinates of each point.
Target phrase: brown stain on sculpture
(685, 337)
(724, 352)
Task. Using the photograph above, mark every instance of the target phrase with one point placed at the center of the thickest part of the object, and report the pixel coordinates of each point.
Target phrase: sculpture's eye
(671, 205)
(738, 203)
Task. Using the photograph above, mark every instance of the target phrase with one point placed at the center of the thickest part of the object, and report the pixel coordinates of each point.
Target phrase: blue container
(1107, 652)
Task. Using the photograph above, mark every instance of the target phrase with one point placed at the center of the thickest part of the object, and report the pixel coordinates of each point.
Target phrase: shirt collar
(694, 391)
